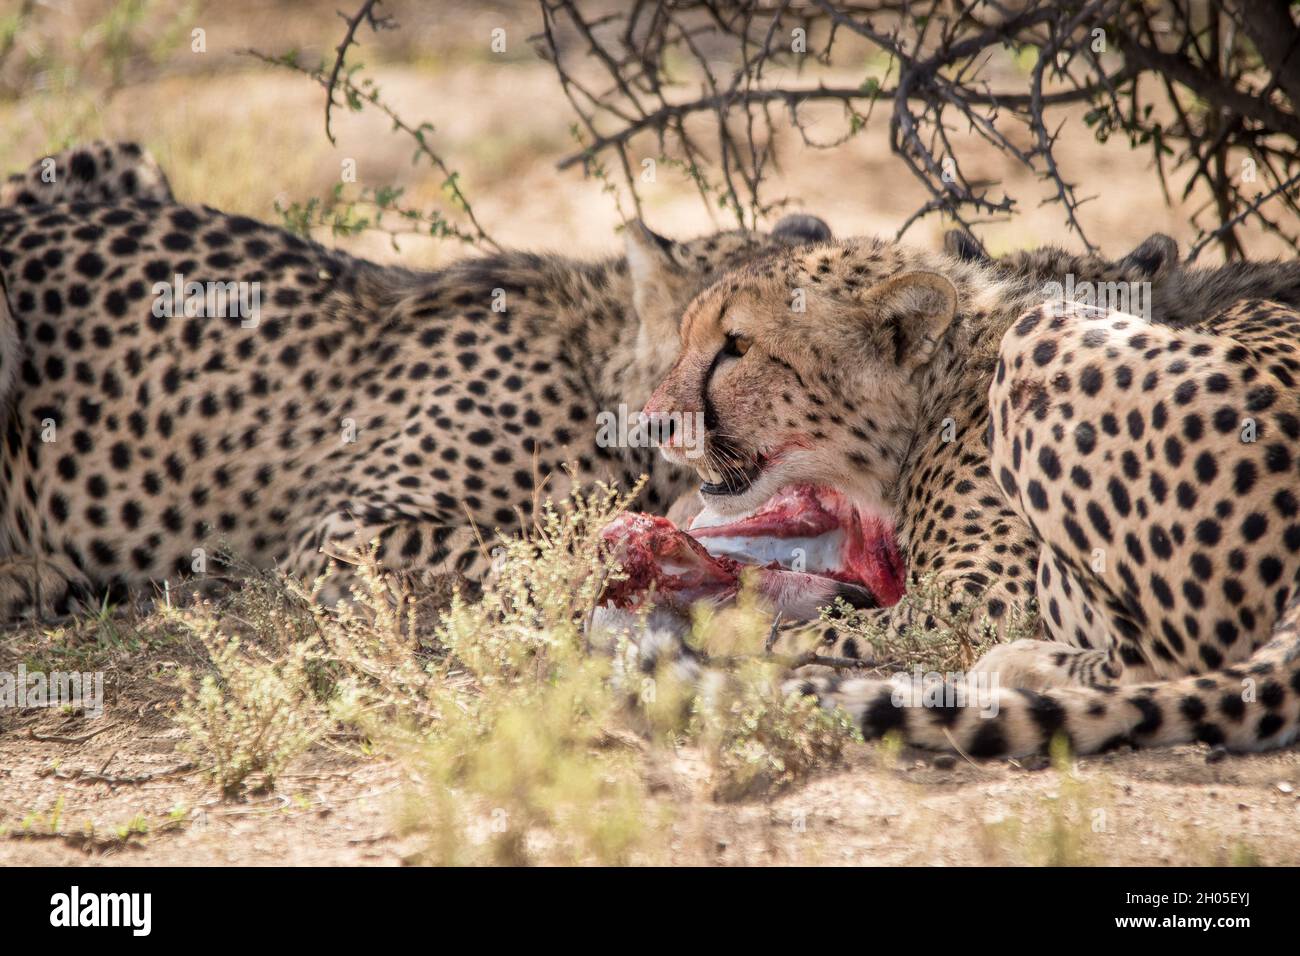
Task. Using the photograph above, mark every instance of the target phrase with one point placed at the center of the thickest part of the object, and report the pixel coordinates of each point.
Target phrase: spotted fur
(95, 172)
(361, 403)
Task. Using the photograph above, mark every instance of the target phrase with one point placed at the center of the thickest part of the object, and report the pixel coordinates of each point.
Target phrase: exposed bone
(804, 548)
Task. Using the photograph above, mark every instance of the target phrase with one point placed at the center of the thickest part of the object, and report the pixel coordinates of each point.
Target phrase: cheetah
(189, 382)
(1079, 460)
(100, 171)
(97, 171)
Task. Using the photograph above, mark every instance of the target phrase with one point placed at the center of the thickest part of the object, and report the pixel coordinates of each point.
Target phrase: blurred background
(240, 134)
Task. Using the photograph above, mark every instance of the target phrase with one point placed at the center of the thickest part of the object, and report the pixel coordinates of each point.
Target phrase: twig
(840, 663)
(771, 634)
(1236, 220)
(792, 661)
(962, 753)
(419, 134)
(365, 14)
(57, 739)
(644, 56)
(87, 776)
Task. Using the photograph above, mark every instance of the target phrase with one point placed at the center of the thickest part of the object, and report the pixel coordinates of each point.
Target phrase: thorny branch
(357, 94)
(376, 22)
(706, 86)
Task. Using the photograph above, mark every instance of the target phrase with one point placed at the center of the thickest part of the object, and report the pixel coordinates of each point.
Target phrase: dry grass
(497, 738)
(940, 639)
(521, 744)
(250, 715)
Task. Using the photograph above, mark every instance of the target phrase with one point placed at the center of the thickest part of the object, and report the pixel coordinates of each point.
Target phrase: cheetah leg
(91, 172)
(39, 587)
(1078, 650)
(1040, 665)
(1250, 709)
(845, 644)
(1120, 444)
(421, 551)
(1069, 605)
(798, 640)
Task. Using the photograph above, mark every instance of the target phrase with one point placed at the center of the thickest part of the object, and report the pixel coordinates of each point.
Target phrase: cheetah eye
(736, 346)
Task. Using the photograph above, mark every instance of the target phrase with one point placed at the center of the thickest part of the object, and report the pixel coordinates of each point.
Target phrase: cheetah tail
(1253, 707)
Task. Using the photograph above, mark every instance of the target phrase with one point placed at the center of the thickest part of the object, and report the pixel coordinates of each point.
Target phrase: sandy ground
(113, 799)
(237, 135)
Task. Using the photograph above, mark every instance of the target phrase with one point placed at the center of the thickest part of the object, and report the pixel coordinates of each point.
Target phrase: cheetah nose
(660, 422)
(663, 427)
(654, 406)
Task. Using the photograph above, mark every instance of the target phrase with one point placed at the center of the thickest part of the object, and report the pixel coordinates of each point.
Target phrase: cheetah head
(803, 371)
(666, 274)
(1154, 257)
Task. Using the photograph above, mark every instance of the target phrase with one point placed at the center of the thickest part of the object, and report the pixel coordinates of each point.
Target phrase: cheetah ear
(962, 245)
(1155, 254)
(648, 253)
(657, 277)
(913, 310)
